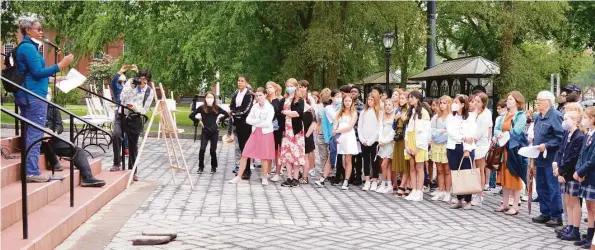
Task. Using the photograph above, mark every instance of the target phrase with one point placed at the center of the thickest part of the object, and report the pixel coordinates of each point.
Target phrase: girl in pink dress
(261, 144)
(292, 146)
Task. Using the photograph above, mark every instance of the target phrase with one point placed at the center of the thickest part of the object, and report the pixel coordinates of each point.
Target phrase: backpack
(11, 72)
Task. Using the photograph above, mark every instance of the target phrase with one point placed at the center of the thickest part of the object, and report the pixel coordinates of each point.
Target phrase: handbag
(466, 181)
(494, 157)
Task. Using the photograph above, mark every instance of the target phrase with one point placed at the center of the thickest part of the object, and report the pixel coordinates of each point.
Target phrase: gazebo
(380, 78)
(461, 76)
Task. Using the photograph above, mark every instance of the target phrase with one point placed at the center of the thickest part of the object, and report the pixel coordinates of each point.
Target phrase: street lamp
(462, 54)
(387, 40)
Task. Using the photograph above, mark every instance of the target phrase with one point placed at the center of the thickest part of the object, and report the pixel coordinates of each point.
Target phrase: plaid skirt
(572, 188)
(588, 192)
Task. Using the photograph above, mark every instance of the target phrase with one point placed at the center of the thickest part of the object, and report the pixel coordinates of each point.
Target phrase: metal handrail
(24, 153)
(54, 105)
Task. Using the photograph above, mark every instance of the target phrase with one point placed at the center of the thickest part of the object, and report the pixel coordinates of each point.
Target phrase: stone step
(53, 223)
(38, 194)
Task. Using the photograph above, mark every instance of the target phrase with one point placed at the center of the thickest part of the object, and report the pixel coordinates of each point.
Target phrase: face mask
(503, 113)
(338, 101)
(290, 90)
(455, 107)
(565, 125)
(209, 101)
(271, 90)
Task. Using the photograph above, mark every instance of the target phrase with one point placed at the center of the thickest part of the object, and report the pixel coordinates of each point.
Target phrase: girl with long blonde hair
(347, 141)
(438, 150)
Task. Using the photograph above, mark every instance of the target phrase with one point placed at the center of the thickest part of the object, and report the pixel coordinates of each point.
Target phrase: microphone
(45, 40)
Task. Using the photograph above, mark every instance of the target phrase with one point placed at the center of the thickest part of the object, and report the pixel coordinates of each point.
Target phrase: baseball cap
(572, 87)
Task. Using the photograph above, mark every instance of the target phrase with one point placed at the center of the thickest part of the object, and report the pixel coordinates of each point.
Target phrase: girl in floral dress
(292, 153)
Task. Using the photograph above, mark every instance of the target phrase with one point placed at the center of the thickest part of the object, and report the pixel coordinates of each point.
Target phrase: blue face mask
(290, 90)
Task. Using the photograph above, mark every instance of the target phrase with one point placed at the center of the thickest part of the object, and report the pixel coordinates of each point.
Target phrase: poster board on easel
(169, 133)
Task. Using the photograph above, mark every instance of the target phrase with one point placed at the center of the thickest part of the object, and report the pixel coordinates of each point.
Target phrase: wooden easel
(169, 132)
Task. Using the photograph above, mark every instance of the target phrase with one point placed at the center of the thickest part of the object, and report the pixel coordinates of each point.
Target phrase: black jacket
(240, 113)
(209, 120)
(297, 122)
(567, 155)
(54, 120)
(278, 106)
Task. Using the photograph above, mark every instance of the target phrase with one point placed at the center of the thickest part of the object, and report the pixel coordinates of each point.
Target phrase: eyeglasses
(39, 29)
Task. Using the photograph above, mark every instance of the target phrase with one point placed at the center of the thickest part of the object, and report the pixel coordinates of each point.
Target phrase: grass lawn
(182, 119)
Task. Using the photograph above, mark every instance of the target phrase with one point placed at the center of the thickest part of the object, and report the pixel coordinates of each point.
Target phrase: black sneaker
(213, 170)
(295, 183)
(554, 222)
(580, 242)
(92, 182)
(200, 170)
(561, 229)
(287, 183)
(541, 219)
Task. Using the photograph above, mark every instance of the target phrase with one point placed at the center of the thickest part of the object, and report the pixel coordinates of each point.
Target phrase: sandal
(511, 211)
(400, 192)
(502, 209)
(408, 191)
(304, 181)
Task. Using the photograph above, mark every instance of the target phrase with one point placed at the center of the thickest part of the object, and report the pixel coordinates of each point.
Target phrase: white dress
(348, 144)
(387, 135)
(484, 126)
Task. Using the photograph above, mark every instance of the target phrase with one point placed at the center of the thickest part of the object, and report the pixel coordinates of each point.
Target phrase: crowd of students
(391, 145)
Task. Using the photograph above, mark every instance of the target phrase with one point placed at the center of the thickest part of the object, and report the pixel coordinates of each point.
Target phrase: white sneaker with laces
(311, 172)
(436, 192)
(411, 195)
(276, 178)
(474, 200)
(235, 180)
(388, 189)
(380, 189)
(420, 196)
(345, 185)
(446, 197)
(265, 182)
(366, 186)
(374, 186)
(438, 196)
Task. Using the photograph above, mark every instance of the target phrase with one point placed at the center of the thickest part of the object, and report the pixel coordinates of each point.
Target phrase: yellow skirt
(399, 164)
(438, 153)
(421, 155)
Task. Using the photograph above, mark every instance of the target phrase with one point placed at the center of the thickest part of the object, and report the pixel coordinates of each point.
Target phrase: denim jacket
(548, 130)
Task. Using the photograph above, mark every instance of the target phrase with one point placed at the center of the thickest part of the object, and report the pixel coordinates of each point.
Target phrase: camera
(136, 81)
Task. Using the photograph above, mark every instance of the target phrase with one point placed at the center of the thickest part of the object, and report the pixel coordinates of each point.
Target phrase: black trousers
(243, 132)
(132, 136)
(205, 138)
(369, 159)
(356, 165)
(57, 148)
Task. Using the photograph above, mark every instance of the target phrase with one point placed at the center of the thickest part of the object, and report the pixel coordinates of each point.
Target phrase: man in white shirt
(139, 98)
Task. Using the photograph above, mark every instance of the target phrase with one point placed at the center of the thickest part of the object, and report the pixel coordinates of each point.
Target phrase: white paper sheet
(73, 80)
(529, 152)
(504, 139)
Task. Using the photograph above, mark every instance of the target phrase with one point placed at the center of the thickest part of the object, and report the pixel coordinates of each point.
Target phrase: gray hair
(26, 22)
(547, 96)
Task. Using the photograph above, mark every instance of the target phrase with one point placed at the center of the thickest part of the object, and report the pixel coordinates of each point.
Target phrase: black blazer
(297, 122)
(278, 106)
(240, 113)
(567, 155)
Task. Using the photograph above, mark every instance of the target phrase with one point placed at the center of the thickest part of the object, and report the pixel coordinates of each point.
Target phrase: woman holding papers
(460, 127)
(261, 144)
(514, 167)
(564, 166)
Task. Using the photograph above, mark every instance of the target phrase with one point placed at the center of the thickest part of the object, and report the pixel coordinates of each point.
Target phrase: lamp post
(388, 40)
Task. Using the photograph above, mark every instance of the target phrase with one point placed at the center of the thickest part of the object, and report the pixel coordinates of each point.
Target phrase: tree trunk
(504, 81)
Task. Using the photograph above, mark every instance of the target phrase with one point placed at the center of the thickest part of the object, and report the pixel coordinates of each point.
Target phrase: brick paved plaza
(218, 215)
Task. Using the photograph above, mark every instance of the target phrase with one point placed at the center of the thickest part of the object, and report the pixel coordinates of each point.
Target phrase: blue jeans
(36, 112)
(333, 152)
(493, 179)
(548, 190)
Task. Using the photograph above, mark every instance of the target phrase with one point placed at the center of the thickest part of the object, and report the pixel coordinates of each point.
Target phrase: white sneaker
(474, 200)
(374, 186)
(388, 189)
(345, 185)
(366, 186)
(380, 189)
(235, 180)
(486, 187)
(446, 197)
(438, 196)
(311, 172)
(436, 192)
(420, 196)
(411, 195)
(276, 178)
(265, 182)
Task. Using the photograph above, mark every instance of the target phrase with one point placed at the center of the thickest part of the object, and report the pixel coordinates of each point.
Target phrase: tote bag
(466, 181)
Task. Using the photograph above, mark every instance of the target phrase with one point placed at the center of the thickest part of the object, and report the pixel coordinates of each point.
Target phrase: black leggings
(204, 139)
(454, 159)
(369, 156)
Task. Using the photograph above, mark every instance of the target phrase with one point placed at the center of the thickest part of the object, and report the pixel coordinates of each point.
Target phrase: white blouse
(368, 126)
(484, 125)
(457, 129)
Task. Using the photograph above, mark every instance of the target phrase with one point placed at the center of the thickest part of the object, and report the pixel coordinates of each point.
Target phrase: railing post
(122, 128)
(72, 162)
(24, 181)
(16, 121)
